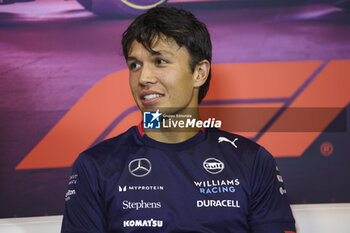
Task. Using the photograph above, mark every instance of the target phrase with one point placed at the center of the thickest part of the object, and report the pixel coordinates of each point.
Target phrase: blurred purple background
(52, 52)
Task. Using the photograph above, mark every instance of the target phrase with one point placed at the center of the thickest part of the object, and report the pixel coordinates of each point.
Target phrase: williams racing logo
(217, 186)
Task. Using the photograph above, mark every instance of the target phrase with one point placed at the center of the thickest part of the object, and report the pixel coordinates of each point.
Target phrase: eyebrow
(160, 52)
(153, 53)
(131, 59)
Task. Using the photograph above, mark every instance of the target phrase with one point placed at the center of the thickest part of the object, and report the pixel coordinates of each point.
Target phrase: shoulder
(107, 155)
(245, 149)
(113, 144)
(241, 144)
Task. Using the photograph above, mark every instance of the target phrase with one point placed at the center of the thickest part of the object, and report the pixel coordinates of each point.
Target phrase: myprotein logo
(218, 203)
(140, 167)
(143, 223)
(217, 186)
(133, 188)
(213, 165)
(141, 205)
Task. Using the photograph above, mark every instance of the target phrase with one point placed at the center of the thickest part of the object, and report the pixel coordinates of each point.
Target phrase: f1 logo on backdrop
(96, 116)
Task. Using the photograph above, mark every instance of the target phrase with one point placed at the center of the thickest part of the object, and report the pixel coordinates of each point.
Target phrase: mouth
(151, 98)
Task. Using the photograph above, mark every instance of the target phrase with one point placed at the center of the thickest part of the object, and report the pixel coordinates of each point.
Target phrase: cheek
(182, 87)
(133, 84)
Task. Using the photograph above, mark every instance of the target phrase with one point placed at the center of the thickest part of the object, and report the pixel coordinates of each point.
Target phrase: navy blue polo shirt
(214, 182)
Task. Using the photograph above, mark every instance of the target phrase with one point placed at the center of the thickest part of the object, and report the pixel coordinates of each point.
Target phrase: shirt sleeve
(84, 200)
(269, 207)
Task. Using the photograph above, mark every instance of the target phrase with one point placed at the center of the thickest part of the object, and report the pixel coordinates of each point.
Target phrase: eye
(161, 61)
(134, 66)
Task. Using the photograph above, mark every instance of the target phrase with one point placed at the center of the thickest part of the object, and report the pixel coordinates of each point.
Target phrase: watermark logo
(151, 120)
(157, 120)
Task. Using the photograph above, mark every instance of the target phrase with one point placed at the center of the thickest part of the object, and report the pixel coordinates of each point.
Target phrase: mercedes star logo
(140, 167)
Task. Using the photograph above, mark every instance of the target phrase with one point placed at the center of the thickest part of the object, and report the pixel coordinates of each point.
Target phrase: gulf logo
(108, 108)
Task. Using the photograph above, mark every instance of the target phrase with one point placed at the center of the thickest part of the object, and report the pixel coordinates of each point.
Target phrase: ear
(201, 73)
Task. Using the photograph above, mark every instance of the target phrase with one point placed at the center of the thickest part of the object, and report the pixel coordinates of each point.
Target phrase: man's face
(163, 78)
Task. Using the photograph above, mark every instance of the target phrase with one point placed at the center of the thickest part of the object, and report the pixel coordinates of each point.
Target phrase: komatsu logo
(143, 223)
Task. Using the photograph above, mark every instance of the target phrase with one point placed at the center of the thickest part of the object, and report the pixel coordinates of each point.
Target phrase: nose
(147, 76)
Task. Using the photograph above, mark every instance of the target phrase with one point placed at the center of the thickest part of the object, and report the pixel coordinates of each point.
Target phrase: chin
(152, 108)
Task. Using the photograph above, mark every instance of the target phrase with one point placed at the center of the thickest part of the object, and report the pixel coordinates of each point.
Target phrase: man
(174, 179)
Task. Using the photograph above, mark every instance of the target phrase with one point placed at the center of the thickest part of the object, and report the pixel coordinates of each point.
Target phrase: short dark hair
(178, 24)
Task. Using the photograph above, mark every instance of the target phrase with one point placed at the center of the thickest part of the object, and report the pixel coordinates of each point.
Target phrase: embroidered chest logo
(213, 165)
(223, 139)
(140, 167)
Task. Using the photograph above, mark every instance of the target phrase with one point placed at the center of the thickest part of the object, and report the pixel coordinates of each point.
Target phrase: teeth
(151, 96)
